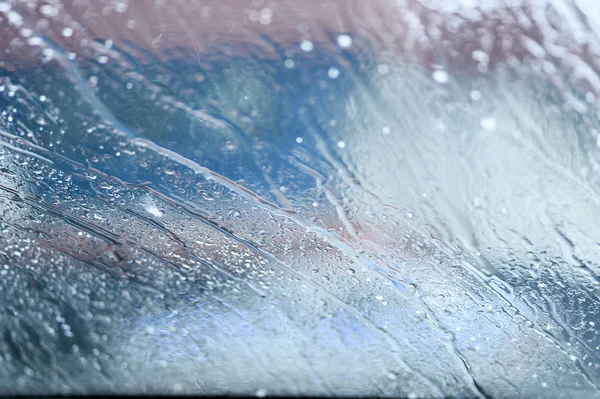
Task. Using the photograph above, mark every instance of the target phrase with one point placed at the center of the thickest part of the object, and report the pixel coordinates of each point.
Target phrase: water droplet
(383, 69)
(35, 41)
(121, 7)
(480, 56)
(344, 41)
(266, 16)
(48, 10)
(333, 73)
(488, 124)
(306, 46)
(440, 76)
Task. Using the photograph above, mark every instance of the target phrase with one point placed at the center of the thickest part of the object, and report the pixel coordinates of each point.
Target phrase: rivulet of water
(386, 198)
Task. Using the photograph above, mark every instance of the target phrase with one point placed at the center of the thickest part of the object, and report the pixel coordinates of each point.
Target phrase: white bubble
(386, 130)
(441, 126)
(42, 98)
(48, 54)
(15, 18)
(35, 41)
(590, 97)
(481, 56)
(49, 10)
(266, 16)
(440, 76)
(383, 69)
(306, 46)
(67, 32)
(299, 140)
(289, 63)
(475, 95)
(261, 393)
(344, 41)
(333, 73)
(341, 144)
(103, 59)
(488, 124)
(121, 7)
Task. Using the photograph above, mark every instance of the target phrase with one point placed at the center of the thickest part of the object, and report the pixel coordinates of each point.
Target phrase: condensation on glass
(387, 198)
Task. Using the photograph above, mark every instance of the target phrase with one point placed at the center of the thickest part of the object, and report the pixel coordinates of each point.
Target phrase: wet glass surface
(392, 198)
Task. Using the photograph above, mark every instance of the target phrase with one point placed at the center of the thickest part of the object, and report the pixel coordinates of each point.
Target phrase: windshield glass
(383, 198)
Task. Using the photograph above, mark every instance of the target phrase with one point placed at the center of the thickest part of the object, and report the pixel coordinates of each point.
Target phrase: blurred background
(261, 197)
